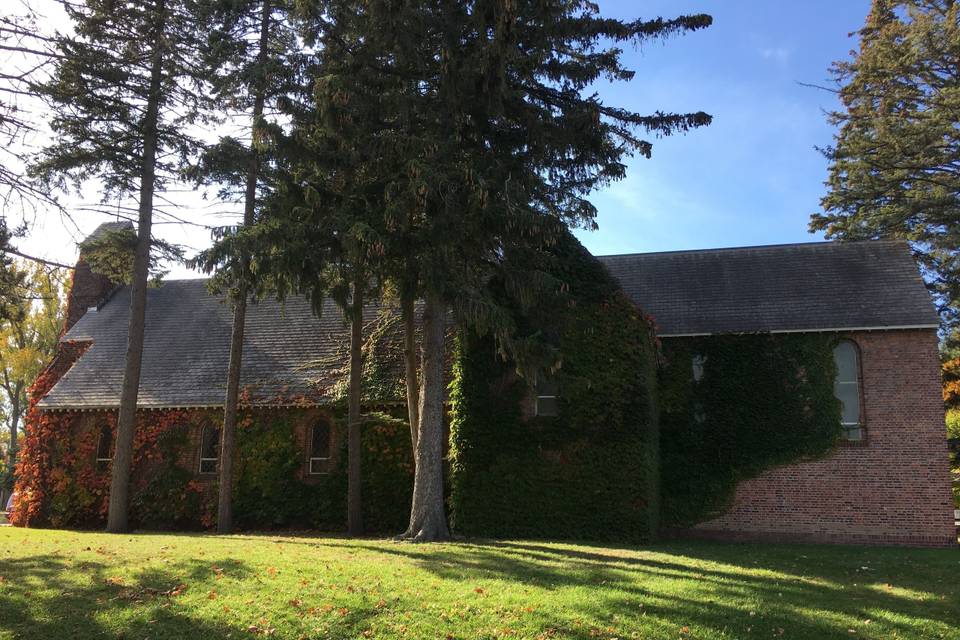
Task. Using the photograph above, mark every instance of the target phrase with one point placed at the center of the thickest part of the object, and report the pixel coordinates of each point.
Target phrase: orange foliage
(950, 371)
(56, 457)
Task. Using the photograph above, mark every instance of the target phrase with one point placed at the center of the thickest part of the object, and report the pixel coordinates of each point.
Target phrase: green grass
(64, 584)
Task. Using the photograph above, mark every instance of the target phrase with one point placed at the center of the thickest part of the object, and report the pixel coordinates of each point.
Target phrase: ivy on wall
(272, 489)
(632, 448)
(590, 472)
(761, 401)
(73, 490)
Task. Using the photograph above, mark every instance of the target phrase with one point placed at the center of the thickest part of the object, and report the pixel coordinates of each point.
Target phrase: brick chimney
(89, 289)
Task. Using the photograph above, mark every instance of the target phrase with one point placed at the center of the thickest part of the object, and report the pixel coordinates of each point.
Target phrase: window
(547, 394)
(847, 389)
(104, 445)
(698, 362)
(209, 449)
(319, 446)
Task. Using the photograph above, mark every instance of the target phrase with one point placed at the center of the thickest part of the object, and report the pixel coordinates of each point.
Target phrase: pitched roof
(820, 286)
(291, 355)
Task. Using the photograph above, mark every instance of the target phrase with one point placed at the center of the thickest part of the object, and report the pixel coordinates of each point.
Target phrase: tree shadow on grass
(814, 592)
(50, 596)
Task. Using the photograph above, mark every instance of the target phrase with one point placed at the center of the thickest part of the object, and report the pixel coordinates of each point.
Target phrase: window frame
(215, 460)
(546, 396)
(320, 461)
(861, 425)
(104, 429)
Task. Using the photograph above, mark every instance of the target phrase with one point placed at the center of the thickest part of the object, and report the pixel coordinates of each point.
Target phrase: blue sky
(753, 176)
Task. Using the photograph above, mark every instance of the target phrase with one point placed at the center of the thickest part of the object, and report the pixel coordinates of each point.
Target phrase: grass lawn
(57, 584)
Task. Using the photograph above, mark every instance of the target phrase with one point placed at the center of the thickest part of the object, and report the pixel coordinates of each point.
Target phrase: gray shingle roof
(291, 354)
(288, 352)
(817, 286)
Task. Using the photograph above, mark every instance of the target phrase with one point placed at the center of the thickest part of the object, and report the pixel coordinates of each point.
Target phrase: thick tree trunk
(230, 405)
(428, 521)
(410, 368)
(117, 516)
(354, 475)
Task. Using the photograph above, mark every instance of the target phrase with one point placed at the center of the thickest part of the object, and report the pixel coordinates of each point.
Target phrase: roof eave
(905, 327)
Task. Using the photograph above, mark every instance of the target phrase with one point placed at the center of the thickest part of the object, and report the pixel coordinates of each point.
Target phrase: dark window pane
(104, 442)
(548, 387)
(548, 406)
(209, 449)
(320, 440)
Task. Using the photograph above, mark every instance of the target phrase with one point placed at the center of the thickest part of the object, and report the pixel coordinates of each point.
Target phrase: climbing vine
(589, 472)
(734, 406)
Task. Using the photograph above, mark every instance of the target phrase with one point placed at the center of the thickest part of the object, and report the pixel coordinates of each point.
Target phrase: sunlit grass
(58, 584)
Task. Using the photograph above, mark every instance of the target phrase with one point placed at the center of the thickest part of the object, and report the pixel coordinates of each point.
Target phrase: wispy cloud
(780, 55)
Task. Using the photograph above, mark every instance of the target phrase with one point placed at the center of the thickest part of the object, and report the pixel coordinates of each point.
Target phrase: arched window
(320, 435)
(548, 392)
(209, 449)
(104, 446)
(846, 388)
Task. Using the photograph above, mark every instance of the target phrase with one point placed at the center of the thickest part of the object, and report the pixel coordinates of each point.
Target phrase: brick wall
(893, 488)
(88, 290)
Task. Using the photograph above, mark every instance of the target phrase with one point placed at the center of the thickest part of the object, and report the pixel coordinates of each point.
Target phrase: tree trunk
(14, 427)
(410, 368)
(428, 521)
(354, 477)
(117, 516)
(229, 438)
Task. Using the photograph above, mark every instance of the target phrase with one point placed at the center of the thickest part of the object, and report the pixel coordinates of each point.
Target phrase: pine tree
(471, 134)
(125, 90)
(895, 162)
(251, 56)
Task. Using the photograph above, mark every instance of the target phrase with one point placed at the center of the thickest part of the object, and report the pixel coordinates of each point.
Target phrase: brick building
(887, 481)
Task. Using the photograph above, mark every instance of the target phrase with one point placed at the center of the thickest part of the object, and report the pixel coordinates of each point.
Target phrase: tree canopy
(895, 161)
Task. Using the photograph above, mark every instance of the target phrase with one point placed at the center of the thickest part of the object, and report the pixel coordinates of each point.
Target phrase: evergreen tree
(470, 129)
(251, 54)
(895, 162)
(125, 90)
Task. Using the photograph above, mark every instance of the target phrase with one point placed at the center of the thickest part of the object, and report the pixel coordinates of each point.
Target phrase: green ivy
(762, 401)
(269, 491)
(591, 472)
(166, 503)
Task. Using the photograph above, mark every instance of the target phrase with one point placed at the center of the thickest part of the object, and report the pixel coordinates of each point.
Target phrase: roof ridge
(814, 243)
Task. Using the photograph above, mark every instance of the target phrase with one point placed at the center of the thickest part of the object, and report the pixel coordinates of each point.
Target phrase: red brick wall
(88, 290)
(894, 488)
